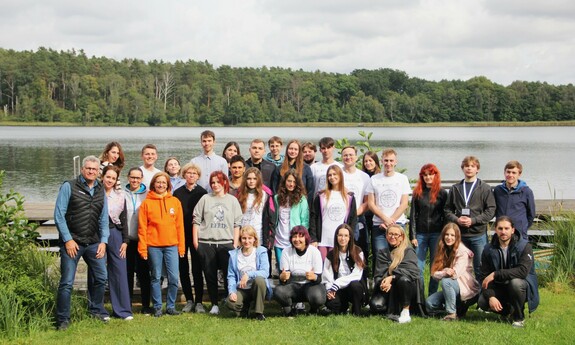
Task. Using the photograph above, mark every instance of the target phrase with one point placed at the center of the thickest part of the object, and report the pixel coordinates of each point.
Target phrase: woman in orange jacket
(161, 239)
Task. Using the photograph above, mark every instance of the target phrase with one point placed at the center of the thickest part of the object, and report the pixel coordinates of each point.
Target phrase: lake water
(38, 159)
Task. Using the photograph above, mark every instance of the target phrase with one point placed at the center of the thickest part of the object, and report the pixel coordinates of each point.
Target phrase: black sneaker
(147, 311)
(172, 311)
(260, 317)
(158, 312)
(62, 326)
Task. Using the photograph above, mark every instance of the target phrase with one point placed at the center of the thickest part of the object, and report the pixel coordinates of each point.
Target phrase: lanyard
(468, 196)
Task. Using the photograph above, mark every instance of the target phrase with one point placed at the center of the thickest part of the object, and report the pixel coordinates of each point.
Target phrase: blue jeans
(427, 242)
(157, 256)
(476, 245)
(68, 267)
(446, 299)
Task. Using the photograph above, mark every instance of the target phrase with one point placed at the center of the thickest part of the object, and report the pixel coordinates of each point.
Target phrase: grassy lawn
(552, 323)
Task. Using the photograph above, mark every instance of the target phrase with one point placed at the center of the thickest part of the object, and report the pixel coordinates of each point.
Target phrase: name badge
(466, 212)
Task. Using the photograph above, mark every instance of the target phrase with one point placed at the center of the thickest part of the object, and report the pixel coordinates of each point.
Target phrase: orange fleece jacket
(160, 223)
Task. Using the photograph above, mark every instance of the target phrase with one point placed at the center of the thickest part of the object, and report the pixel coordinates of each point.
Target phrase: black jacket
(425, 217)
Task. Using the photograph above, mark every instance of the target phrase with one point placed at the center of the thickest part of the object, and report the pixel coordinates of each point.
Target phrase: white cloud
(432, 39)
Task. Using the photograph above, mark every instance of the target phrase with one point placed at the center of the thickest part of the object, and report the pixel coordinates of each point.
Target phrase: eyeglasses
(160, 182)
(90, 169)
(134, 177)
(394, 235)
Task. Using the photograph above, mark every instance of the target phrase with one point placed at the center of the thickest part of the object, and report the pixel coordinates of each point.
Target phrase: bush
(561, 271)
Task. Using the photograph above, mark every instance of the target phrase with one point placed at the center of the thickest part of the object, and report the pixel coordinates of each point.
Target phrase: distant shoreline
(307, 124)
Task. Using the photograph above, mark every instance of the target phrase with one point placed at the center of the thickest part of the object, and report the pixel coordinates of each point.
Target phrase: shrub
(562, 268)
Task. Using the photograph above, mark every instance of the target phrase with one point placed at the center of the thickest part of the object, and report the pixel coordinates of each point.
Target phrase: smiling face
(290, 183)
(333, 178)
(428, 178)
(298, 241)
(293, 151)
(343, 239)
(230, 152)
(161, 185)
(149, 156)
(208, 144)
(135, 179)
(368, 163)
(173, 167)
(394, 236)
(275, 149)
(349, 157)
(113, 154)
(109, 179)
(308, 154)
(90, 171)
(512, 176)
(449, 237)
(389, 163)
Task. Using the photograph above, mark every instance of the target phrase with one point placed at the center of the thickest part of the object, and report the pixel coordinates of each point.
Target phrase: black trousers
(353, 293)
(136, 265)
(212, 258)
(512, 295)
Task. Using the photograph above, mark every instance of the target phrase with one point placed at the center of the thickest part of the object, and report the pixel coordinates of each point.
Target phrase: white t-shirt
(332, 216)
(148, 175)
(319, 170)
(283, 230)
(387, 192)
(299, 265)
(247, 263)
(357, 183)
(254, 216)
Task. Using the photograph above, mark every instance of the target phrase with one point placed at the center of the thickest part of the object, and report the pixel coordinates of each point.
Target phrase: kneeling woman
(453, 268)
(248, 272)
(300, 278)
(343, 273)
(396, 276)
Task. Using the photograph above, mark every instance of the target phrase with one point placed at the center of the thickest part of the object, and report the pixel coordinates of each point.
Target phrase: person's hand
(464, 221)
(244, 281)
(310, 275)
(123, 248)
(386, 284)
(330, 295)
(71, 248)
(101, 251)
(195, 243)
(414, 242)
(285, 275)
(494, 304)
(233, 297)
(450, 272)
(488, 280)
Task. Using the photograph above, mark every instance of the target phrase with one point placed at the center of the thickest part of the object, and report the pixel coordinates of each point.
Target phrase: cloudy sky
(504, 40)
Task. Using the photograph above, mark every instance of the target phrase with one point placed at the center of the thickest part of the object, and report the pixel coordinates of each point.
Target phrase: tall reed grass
(562, 268)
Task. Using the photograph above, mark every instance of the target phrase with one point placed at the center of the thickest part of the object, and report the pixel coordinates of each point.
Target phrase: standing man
(387, 196)
(81, 216)
(309, 149)
(149, 158)
(319, 169)
(357, 181)
(208, 161)
(515, 199)
(470, 204)
(508, 278)
(257, 151)
(275, 156)
(237, 170)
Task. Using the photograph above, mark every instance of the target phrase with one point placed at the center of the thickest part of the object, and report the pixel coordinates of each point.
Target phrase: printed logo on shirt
(388, 198)
(336, 212)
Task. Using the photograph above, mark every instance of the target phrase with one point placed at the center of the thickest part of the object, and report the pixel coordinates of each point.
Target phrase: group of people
(320, 220)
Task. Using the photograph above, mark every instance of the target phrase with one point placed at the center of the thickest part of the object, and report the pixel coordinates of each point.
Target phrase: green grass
(552, 323)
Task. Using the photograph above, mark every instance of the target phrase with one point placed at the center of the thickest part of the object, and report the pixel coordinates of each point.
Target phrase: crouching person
(248, 272)
(453, 268)
(300, 278)
(396, 278)
(343, 274)
(508, 274)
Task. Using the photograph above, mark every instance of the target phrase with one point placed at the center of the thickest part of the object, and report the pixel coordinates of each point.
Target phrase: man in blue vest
(507, 274)
(81, 216)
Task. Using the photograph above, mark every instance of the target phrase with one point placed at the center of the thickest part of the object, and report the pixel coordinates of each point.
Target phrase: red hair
(428, 168)
(222, 179)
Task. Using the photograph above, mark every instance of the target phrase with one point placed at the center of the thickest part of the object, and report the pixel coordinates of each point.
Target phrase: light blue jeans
(157, 256)
(427, 242)
(446, 299)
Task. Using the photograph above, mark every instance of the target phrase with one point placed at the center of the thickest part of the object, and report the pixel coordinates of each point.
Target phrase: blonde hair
(249, 230)
(398, 252)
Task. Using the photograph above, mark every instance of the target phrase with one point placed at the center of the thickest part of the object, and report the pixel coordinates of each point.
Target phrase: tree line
(67, 86)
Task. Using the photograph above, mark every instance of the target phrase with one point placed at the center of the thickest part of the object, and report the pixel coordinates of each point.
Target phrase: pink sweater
(463, 266)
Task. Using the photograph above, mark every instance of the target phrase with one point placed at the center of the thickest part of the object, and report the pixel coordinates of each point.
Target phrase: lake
(38, 159)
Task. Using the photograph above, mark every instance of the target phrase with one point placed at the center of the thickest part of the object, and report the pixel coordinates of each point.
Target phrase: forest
(69, 87)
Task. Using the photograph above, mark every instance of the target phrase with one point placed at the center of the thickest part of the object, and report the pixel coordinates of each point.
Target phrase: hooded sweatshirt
(133, 201)
(160, 223)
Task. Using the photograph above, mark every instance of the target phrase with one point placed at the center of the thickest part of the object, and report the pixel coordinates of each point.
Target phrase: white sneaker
(188, 308)
(300, 306)
(404, 317)
(128, 318)
(215, 310)
(518, 324)
(200, 308)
